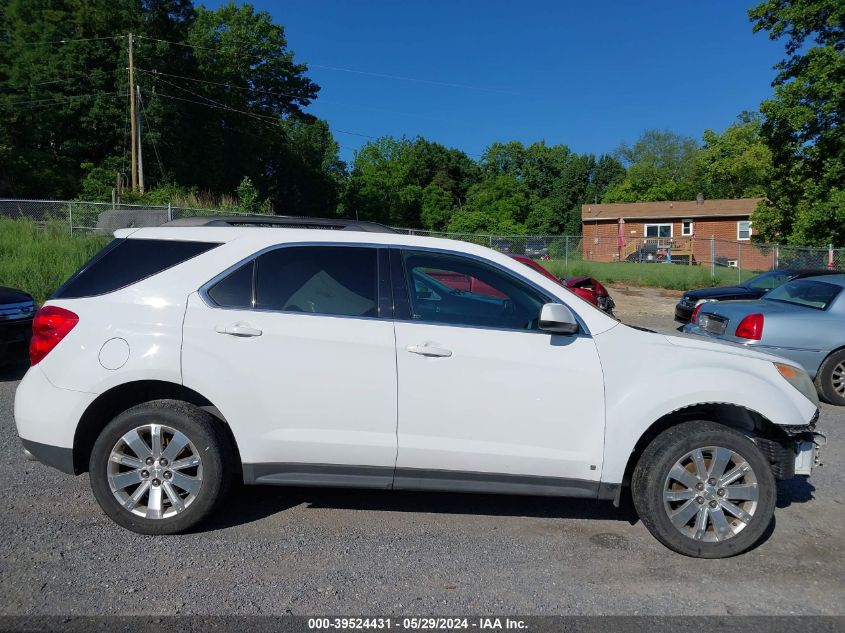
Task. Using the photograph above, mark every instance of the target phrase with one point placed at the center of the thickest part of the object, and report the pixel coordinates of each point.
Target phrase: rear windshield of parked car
(803, 292)
(767, 281)
(126, 261)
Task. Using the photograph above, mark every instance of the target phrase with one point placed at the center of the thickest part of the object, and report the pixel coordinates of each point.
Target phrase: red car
(587, 288)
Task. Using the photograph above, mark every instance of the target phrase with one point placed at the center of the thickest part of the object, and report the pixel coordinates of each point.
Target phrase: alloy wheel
(155, 471)
(710, 494)
(837, 379)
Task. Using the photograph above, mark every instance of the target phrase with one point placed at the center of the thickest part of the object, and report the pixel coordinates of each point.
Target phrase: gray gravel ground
(306, 551)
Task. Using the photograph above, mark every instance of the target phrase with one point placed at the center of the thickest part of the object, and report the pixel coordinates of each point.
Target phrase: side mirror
(556, 318)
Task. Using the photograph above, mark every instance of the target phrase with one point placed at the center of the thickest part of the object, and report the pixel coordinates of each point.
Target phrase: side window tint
(125, 262)
(333, 280)
(461, 291)
(235, 290)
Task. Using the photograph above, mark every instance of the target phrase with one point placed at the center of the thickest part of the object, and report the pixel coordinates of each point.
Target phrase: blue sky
(588, 74)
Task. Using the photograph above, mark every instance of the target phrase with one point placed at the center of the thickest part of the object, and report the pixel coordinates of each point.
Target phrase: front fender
(646, 378)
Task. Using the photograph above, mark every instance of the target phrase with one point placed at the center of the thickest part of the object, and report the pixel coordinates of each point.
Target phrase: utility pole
(133, 124)
(140, 153)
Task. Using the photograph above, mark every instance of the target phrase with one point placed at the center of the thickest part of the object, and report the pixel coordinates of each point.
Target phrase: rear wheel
(704, 490)
(830, 379)
(159, 468)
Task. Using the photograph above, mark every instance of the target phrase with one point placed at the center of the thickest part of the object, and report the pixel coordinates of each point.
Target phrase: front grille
(17, 311)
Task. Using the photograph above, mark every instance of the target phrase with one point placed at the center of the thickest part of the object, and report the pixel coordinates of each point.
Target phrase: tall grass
(38, 259)
(658, 275)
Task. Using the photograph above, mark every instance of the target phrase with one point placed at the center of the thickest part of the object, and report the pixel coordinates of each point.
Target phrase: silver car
(802, 320)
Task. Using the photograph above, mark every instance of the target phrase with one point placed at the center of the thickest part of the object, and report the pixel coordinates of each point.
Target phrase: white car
(272, 351)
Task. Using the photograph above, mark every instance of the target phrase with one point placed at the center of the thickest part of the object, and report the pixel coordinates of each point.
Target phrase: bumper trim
(55, 456)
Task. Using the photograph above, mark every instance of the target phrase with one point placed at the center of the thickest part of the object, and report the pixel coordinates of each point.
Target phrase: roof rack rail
(283, 221)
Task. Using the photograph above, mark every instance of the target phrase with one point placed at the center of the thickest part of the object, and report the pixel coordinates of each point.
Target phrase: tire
(656, 493)
(830, 379)
(140, 492)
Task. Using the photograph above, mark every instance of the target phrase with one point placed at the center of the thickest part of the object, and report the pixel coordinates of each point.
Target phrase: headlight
(799, 379)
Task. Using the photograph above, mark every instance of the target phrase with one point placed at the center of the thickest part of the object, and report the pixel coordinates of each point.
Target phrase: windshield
(803, 292)
(767, 281)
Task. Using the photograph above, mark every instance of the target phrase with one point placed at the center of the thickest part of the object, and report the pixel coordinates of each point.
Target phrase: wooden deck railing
(680, 245)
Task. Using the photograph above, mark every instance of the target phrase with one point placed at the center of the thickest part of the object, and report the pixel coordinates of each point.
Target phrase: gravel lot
(305, 551)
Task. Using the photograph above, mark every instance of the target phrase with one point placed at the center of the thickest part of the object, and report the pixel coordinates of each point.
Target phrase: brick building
(683, 227)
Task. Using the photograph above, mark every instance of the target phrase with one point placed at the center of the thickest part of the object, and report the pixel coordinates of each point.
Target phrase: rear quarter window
(125, 262)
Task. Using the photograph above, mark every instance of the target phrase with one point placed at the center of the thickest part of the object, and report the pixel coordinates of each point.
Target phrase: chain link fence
(100, 218)
(103, 218)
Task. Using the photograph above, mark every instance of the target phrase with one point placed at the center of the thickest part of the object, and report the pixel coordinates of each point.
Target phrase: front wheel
(704, 490)
(159, 468)
(830, 379)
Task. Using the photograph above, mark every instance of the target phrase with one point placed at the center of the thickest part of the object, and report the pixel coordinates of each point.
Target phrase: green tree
(408, 182)
(660, 166)
(438, 206)
(804, 121)
(302, 169)
(736, 163)
(498, 204)
(222, 96)
(249, 200)
(61, 104)
(556, 180)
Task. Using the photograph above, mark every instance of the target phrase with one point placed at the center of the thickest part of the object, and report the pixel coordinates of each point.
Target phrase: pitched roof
(669, 209)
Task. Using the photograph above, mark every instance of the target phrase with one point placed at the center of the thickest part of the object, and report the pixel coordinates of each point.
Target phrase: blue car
(802, 320)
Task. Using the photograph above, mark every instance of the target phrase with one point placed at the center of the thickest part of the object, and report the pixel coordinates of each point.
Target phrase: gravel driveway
(307, 551)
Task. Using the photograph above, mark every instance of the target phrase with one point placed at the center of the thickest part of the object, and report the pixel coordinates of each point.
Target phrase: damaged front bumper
(808, 454)
(796, 450)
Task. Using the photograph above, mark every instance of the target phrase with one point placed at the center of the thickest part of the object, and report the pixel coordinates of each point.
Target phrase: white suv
(185, 355)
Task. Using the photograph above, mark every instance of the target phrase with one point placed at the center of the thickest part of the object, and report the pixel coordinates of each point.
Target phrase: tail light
(694, 317)
(50, 325)
(751, 327)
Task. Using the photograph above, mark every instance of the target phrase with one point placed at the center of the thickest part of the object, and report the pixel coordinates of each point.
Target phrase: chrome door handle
(238, 329)
(429, 350)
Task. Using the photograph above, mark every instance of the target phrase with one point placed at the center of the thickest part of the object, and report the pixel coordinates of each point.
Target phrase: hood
(723, 347)
(10, 295)
(725, 292)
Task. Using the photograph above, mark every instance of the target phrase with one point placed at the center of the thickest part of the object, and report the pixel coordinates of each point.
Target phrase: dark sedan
(16, 311)
(754, 288)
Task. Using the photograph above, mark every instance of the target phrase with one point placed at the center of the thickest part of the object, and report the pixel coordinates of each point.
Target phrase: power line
(80, 39)
(253, 114)
(185, 44)
(353, 133)
(352, 70)
(155, 148)
(156, 73)
(216, 104)
(51, 100)
(212, 102)
(414, 79)
(221, 107)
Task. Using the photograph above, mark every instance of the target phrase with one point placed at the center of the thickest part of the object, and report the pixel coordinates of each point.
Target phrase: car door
(487, 401)
(297, 351)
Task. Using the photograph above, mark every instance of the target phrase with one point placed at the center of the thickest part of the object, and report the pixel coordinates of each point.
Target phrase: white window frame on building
(740, 230)
(687, 228)
(659, 225)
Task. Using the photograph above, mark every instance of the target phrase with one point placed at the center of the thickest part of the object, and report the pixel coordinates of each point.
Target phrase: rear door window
(331, 280)
(125, 262)
(234, 290)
